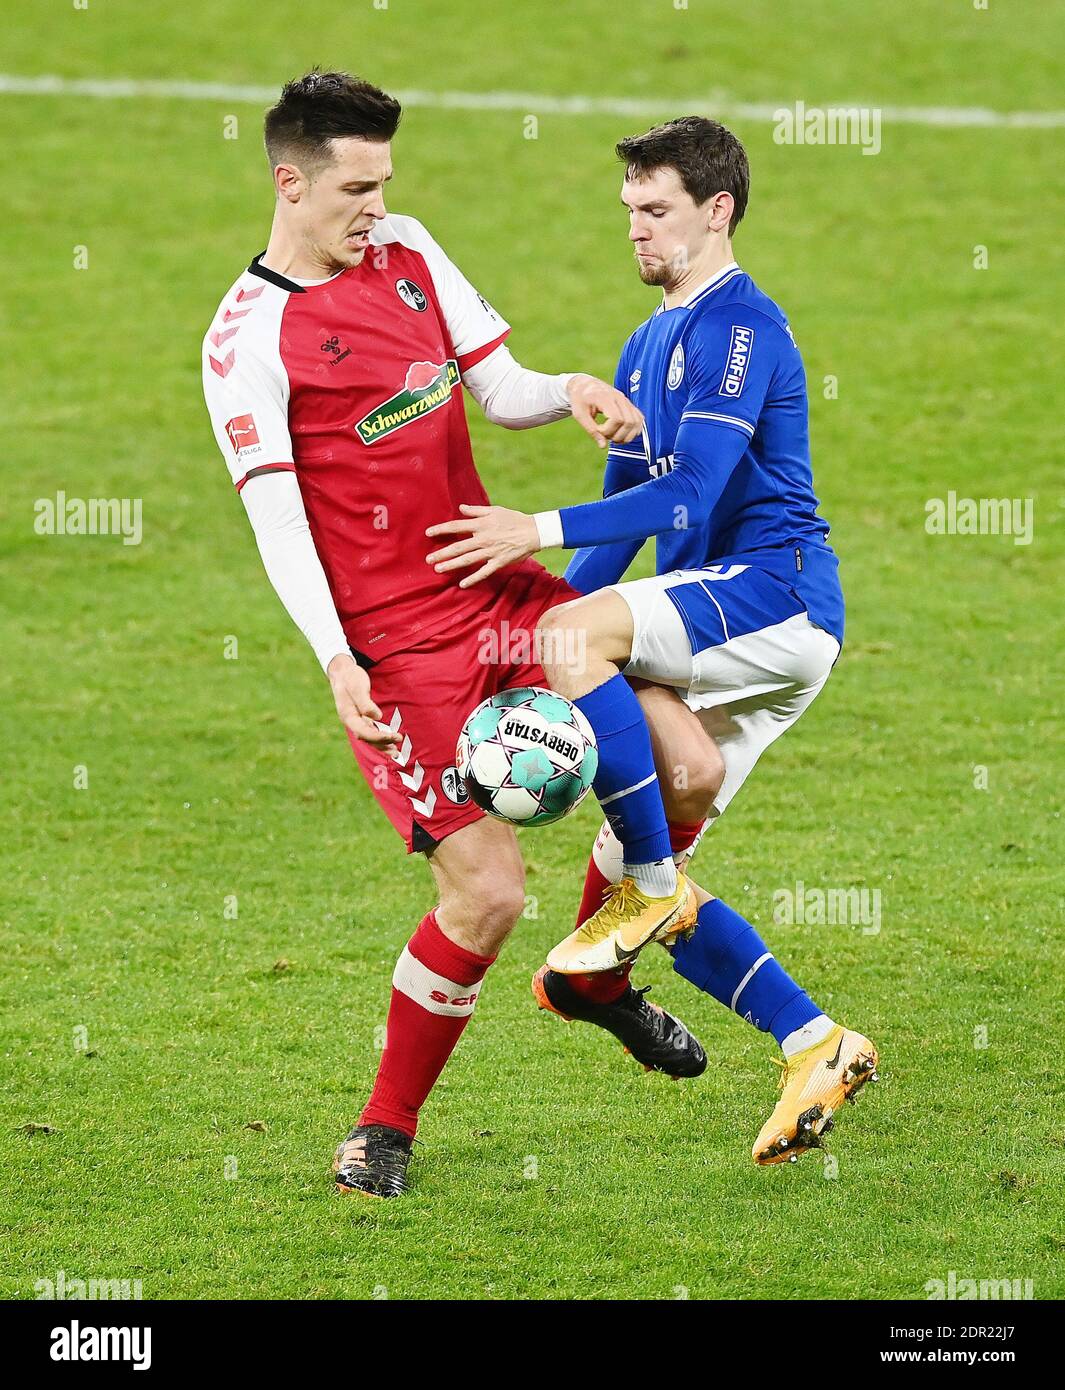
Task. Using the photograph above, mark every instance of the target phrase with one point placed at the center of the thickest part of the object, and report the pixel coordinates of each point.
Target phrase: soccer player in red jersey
(331, 372)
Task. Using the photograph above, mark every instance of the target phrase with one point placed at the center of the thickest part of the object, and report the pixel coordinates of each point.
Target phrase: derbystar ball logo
(242, 432)
(426, 388)
(517, 728)
(739, 356)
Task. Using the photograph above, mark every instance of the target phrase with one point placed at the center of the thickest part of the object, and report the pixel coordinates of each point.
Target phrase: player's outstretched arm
(713, 433)
(519, 399)
(498, 537)
(493, 537)
(590, 398)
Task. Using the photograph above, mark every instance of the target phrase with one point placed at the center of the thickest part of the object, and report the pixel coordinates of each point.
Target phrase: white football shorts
(738, 646)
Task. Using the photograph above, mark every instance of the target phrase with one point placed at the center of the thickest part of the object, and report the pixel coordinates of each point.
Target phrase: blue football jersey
(726, 452)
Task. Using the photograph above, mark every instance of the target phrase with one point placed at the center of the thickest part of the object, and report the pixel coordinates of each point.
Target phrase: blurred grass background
(210, 778)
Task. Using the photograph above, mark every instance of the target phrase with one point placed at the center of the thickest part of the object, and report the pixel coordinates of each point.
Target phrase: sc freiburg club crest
(454, 788)
(412, 295)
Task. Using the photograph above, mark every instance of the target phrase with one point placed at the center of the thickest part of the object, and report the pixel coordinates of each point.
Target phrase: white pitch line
(532, 102)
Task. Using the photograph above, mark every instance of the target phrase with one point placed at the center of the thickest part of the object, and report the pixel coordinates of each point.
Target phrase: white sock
(817, 1030)
(657, 880)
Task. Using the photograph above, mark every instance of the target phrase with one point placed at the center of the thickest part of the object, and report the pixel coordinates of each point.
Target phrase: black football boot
(658, 1040)
(373, 1161)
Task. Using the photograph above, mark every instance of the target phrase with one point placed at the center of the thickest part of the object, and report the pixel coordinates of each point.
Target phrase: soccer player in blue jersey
(740, 627)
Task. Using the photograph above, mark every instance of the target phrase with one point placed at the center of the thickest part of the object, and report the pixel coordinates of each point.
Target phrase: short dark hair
(320, 107)
(706, 155)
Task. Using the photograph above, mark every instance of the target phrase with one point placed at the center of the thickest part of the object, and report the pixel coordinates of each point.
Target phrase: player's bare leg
(688, 761)
(480, 879)
(583, 645)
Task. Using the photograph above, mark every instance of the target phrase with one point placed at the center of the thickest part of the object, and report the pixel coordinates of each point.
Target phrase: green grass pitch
(197, 945)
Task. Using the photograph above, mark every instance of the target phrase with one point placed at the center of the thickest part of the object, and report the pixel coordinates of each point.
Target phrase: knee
(689, 790)
(482, 910)
(499, 902)
(557, 635)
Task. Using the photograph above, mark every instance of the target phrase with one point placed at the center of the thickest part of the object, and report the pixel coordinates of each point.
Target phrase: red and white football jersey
(354, 384)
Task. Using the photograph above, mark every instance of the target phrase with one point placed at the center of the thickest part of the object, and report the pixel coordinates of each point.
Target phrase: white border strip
(728, 638)
(530, 102)
(627, 791)
(725, 419)
(748, 977)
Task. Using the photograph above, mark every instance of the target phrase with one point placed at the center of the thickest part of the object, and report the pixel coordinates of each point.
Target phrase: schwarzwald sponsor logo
(427, 387)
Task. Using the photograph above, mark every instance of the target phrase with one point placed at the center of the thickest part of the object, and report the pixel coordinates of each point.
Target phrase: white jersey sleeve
(286, 546)
(246, 388)
(475, 327)
(245, 383)
(515, 397)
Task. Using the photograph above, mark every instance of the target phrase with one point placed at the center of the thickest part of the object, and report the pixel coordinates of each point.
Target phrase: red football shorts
(426, 693)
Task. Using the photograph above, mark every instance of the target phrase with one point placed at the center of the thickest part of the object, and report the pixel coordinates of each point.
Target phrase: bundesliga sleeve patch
(242, 433)
(739, 357)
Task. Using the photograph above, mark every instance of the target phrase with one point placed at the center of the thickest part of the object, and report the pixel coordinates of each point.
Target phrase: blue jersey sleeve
(733, 356)
(727, 373)
(595, 566)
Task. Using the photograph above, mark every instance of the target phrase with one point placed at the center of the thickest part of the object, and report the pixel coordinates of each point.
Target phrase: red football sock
(434, 989)
(608, 985)
(604, 987)
(595, 881)
(682, 836)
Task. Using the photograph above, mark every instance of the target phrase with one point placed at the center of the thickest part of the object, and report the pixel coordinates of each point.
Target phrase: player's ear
(721, 208)
(289, 182)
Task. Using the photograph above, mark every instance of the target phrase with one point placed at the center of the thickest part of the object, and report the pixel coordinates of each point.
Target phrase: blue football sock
(726, 957)
(626, 783)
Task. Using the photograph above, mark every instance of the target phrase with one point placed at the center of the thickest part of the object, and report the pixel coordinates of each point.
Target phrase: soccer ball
(527, 756)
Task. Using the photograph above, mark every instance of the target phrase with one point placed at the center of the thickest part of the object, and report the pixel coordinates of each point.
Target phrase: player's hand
(493, 537)
(358, 713)
(591, 398)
